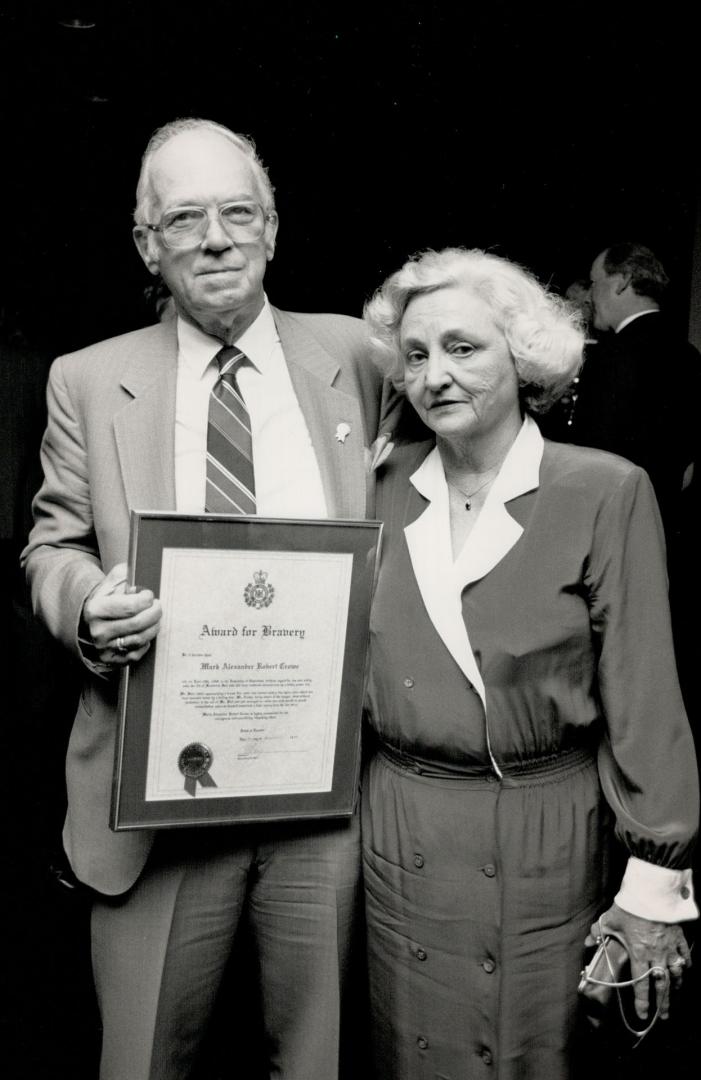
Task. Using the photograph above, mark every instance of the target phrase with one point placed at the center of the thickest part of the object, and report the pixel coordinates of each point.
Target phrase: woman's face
(458, 370)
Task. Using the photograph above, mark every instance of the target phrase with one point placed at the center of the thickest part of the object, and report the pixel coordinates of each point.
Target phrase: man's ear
(145, 248)
(622, 281)
(271, 227)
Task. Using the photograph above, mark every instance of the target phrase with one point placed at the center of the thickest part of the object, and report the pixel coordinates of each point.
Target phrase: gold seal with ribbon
(194, 762)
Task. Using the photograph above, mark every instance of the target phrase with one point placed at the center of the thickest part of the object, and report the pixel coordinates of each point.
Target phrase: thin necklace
(469, 495)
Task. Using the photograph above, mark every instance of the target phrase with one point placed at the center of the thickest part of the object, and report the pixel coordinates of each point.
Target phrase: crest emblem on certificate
(258, 594)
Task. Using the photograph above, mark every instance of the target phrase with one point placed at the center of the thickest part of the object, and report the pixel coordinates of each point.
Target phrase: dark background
(543, 132)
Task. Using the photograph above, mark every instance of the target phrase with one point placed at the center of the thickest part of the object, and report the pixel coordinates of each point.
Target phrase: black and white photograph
(350, 358)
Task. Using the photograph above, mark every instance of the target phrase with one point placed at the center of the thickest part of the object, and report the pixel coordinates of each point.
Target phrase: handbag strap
(619, 985)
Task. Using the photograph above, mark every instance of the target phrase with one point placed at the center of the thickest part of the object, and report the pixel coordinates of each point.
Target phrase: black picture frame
(151, 534)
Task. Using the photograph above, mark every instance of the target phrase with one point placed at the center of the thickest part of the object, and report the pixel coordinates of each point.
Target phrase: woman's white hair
(544, 333)
(168, 131)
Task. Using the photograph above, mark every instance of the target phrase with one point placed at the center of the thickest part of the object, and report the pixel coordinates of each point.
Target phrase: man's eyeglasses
(186, 226)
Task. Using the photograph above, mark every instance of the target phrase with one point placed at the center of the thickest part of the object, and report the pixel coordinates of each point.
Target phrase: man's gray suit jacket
(108, 449)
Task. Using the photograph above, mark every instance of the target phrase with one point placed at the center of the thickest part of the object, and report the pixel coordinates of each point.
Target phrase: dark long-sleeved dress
(524, 700)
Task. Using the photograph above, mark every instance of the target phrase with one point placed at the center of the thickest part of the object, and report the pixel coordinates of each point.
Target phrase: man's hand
(650, 945)
(121, 624)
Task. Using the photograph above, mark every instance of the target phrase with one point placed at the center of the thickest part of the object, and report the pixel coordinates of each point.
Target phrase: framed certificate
(247, 707)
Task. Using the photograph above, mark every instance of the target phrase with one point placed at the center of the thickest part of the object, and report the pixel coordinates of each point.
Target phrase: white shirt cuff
(657, 893)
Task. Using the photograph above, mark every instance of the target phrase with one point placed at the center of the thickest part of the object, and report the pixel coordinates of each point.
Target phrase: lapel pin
(342, 431)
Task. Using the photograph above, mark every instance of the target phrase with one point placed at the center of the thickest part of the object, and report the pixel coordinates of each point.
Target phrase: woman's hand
(649, 945)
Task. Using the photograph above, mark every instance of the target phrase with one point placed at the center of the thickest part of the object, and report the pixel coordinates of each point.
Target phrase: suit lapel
(144, 428)
(327, 411)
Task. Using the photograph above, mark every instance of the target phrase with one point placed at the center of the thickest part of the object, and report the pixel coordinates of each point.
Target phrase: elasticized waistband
(532, 771)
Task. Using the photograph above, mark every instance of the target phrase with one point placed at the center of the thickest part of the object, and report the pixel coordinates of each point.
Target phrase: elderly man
(128, 427)
(639, 394)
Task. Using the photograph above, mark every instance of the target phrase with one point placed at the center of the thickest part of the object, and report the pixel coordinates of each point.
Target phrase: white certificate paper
(248, 672)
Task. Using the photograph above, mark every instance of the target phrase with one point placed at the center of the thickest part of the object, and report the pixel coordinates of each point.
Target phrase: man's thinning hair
(168, 131)
(646, 272)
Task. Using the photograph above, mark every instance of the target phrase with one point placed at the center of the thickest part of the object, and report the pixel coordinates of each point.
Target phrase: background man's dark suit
(639, 395)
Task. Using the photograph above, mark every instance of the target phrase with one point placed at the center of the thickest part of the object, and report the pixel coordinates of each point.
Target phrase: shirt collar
(518, 474)
(631, 318)
(196, 350)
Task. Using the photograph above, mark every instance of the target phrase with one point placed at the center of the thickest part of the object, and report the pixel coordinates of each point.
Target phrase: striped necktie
(230, 481)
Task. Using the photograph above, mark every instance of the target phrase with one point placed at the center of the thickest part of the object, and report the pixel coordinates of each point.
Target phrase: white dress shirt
(288, 481)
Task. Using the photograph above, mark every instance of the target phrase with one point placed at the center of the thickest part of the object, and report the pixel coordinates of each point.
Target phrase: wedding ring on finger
(120, 646)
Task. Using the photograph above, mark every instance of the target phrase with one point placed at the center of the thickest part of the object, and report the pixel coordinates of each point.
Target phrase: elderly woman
(522, 690)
